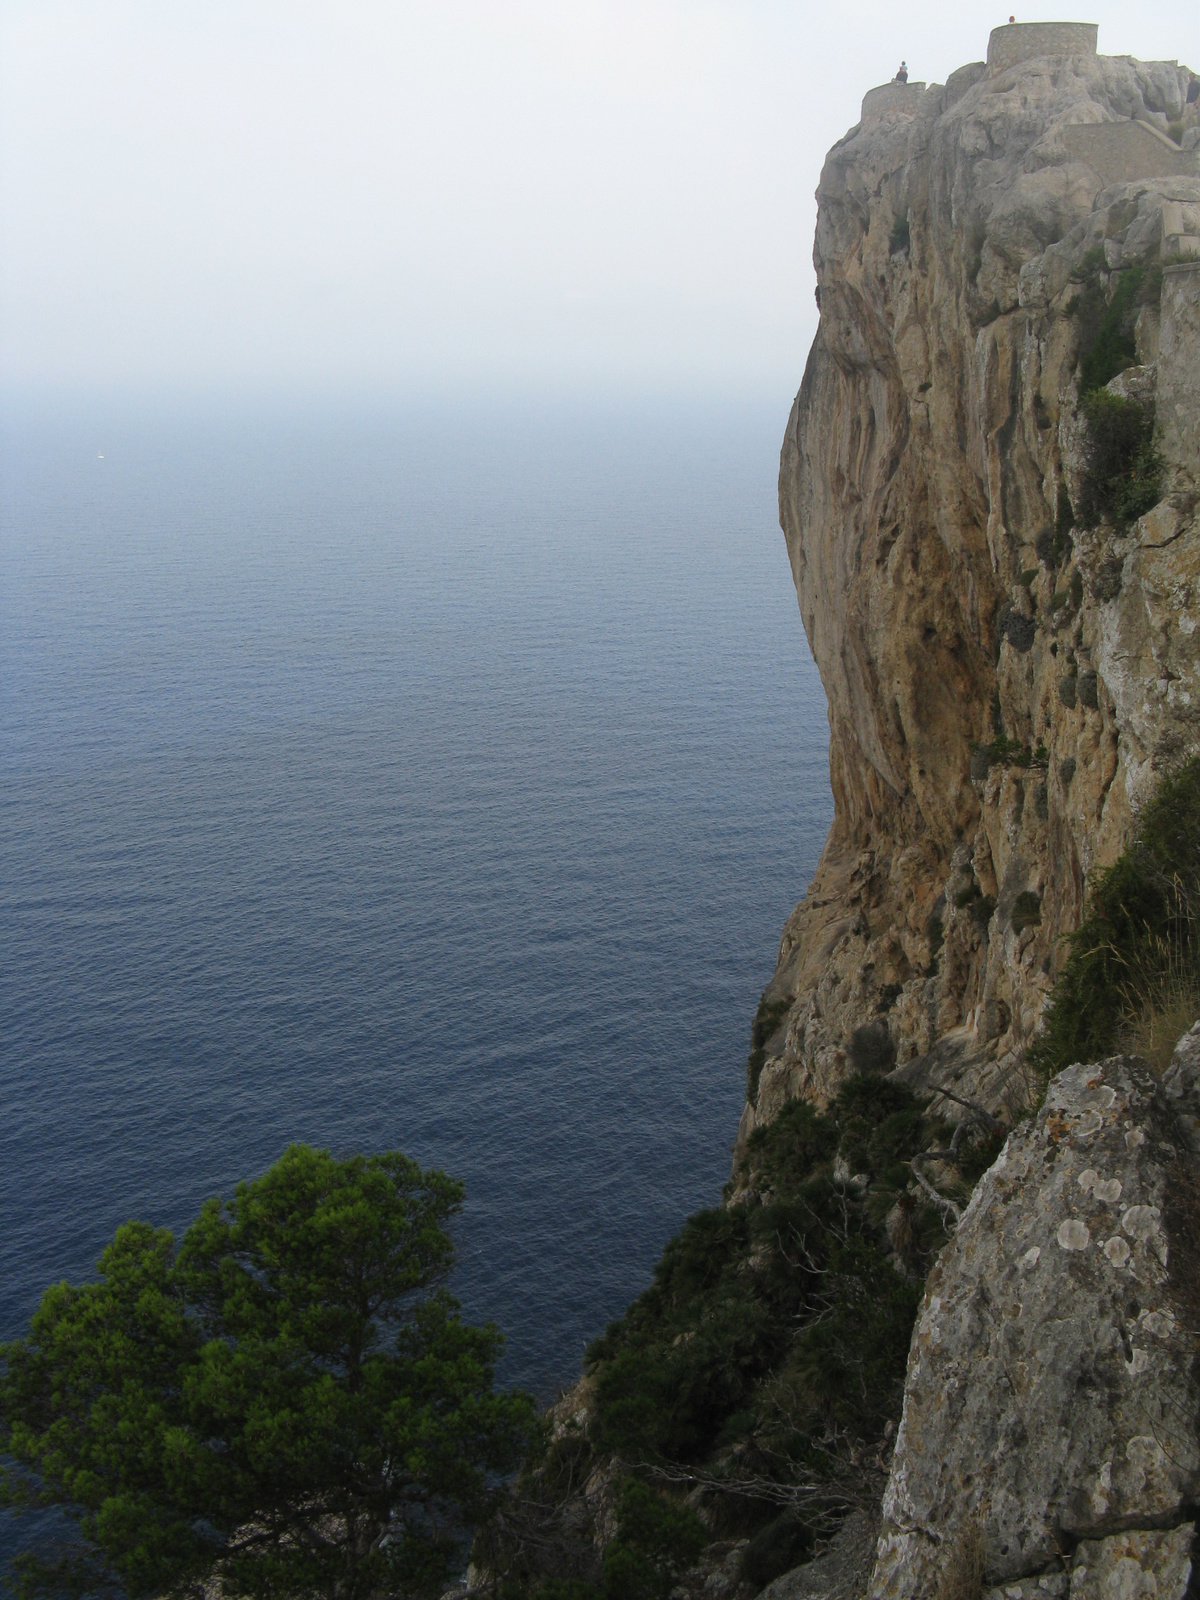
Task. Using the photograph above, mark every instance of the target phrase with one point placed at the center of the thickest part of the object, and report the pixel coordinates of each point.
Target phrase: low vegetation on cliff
(756, 1383)
(1132, 977)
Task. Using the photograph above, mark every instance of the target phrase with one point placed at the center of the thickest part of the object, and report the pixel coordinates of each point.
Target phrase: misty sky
(445, 195)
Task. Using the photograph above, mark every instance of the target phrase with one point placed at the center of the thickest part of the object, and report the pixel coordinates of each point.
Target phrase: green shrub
(656, 1539)
(1140, 923)
(871, 1048)
(775, 1549)
(1122, 472)
(1005, 752)
(982, 911)
(799, 1282)
(767, 1018)
(1106, 323)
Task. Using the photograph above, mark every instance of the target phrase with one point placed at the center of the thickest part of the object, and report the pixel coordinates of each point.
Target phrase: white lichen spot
(1100, 1094)
(1031, 1257)
(1159, 1323)
(1135, 1137)
(1127, 1580)
(1141, 1222)
(1145, 1451)
(1108, 1190)
(1088, 1123)
(1138, 1362)
(1116, 1250)
(1073, 1234)
(1099, 1495)
(1087, 1178)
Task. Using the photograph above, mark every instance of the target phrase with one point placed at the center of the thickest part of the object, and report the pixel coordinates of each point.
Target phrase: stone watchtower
(1023, 41)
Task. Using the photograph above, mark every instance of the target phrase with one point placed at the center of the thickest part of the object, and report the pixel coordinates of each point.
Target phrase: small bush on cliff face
(962, 1575)
(871, 1048)
(656, 1539)
(781, 1545)
(1106, 322)
(767, 1018)
(1141, 932)
(1122, 472)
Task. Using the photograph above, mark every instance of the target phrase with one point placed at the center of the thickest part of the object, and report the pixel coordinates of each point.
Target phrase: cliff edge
(1010, 654)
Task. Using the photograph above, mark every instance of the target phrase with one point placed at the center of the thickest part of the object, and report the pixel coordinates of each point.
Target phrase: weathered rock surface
(919, 491)
(1181, 1085)
(1050, 1407)
(838, 1574)
(1134, 1565)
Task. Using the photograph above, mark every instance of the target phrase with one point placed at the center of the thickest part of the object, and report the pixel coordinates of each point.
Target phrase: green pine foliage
(286, 1403)
(1140, 931)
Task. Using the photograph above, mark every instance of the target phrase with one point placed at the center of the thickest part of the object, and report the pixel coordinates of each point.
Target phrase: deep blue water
(435, 781)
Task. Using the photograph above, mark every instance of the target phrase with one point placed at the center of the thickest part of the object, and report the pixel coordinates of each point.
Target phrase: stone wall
(891, 97)
(1022, 41)
(1126, 152)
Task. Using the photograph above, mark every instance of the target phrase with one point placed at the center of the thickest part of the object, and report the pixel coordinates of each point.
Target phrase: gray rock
(1134, 1566)
(1049, 1394)
(1181, 1084)
(1049, 1586)
(841, 1573)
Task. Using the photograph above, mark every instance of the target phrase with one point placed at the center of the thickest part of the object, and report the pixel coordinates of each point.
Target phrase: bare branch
(943, 1202)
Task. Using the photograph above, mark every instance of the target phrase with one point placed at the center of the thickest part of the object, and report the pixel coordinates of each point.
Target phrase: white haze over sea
(418, 198)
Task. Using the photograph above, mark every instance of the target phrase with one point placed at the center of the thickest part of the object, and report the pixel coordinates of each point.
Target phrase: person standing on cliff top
(902, 75)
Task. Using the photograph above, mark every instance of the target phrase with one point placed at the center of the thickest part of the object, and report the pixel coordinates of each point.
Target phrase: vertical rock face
(1050, 1403)
(1000, 695)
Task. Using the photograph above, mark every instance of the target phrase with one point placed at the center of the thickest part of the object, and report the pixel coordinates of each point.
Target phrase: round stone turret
(889, 98)
(1022, 41)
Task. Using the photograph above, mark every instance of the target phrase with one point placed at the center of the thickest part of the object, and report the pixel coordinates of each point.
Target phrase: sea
(394, 776)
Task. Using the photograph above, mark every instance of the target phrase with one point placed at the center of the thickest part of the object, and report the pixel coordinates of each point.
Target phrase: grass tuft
(962, 1574)
(1136, 957)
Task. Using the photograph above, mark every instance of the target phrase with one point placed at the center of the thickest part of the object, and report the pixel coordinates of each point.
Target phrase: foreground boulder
(1049, 1437)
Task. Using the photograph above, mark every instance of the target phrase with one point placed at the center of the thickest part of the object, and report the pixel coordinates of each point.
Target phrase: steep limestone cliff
(1003, 687)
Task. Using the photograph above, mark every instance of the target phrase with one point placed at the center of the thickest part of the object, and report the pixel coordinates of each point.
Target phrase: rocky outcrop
(1050, 1414)
(839, 1573)
(1001, 694)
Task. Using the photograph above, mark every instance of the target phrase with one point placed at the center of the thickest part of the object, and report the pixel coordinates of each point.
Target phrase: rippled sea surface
(437, 781)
